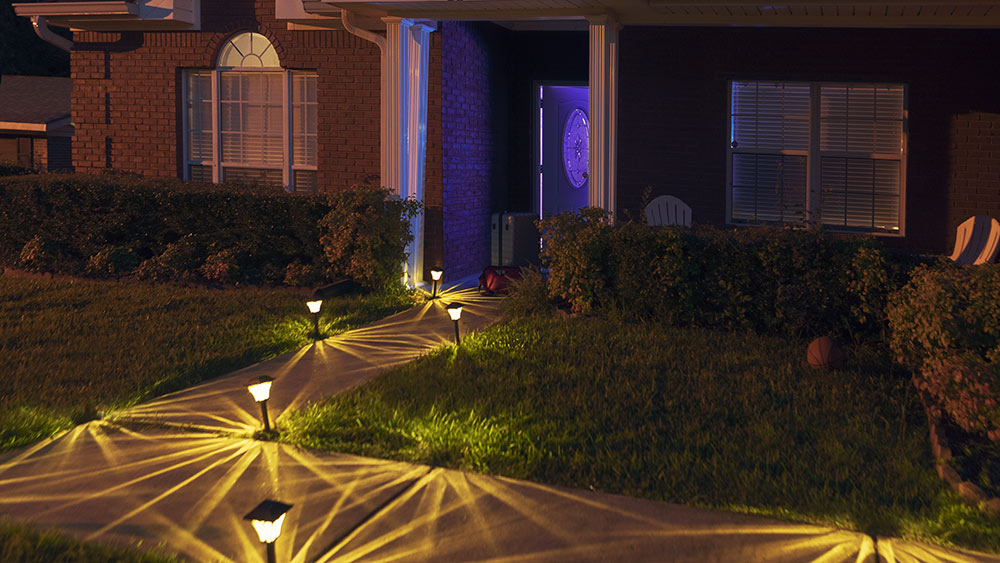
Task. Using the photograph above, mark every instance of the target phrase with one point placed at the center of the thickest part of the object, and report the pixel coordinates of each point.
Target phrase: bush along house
(868, 117)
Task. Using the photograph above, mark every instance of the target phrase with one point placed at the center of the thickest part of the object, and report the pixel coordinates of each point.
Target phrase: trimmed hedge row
(946, 328)
(12, 169)
(769, 280)
(169, 230)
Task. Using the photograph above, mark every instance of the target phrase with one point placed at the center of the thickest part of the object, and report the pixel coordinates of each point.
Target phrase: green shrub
(168, 230)
(39, 254)
(112, 261)
(365, 234)
(13, 169)
(228, 265)
(529, 296)
(179, 260)
(302, 275)
(769, 280)
(945, 326)
(575, 251)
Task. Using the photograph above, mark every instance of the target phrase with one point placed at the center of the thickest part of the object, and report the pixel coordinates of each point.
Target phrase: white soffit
(887, 14)
(117, 15)
(801, 13)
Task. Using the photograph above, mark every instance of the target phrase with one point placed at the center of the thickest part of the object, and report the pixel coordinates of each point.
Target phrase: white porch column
(394, 95)
(603, 110)
(416, 134)
(405, 132)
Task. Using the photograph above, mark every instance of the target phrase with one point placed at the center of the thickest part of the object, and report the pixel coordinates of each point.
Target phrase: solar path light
(455, 312)
(314, 307)
(436, 276)
(261, 390)
(266, 519)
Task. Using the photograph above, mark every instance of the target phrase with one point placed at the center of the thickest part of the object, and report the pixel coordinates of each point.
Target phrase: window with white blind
(249, 120)
(830, 153)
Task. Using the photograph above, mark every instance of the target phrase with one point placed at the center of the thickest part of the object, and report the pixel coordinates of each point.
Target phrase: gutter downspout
(384, 164)
(45, 34)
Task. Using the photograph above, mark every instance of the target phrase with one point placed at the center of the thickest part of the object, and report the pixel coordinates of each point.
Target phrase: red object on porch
(497, 279)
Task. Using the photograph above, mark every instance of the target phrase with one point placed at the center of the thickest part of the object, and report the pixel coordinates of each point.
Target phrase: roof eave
(77, 9)
(37, 128)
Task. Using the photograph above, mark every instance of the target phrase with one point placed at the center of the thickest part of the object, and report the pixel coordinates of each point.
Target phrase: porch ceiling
(800, 13)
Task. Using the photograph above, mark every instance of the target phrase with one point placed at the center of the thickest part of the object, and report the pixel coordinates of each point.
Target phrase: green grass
(71, 349)
(25, 544)
(731, 421)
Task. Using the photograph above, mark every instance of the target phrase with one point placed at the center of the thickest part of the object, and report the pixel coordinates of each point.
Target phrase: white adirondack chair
(977, 241)
(667, 210)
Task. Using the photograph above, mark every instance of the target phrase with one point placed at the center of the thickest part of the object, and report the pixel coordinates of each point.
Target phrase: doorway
(562, 157)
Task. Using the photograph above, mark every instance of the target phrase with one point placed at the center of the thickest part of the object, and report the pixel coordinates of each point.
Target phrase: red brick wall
(39, 153)
(673, 102)
(126, 94)
(974, 166)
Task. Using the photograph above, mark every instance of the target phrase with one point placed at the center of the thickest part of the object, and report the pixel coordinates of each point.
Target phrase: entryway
(562, 157)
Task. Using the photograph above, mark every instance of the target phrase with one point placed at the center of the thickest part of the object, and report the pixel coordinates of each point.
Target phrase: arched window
(250, 120)
(248, 50)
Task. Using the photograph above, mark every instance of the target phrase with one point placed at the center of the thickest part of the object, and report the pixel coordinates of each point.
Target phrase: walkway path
(123, 481)
(318, 371)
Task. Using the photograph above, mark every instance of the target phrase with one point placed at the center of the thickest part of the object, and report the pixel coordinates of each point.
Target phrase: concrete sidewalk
(320, 370)
(188, 490)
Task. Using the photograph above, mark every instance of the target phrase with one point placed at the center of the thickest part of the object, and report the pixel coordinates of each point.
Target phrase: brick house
(872, 117)
(35, 130)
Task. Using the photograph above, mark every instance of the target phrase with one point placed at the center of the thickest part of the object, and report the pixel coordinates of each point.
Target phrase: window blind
(857, 144)
(200, 173)
(250, 118)
(304, 181)
(252, 176)
(199, 116)
(251, 124)
(304, 111)
(771, 116)
(768, 187)
(861, 151)
(769, 143)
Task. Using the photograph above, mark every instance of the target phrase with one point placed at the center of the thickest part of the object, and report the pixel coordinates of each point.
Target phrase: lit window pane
(769, 188)
(251, 176)
(304, 111)
(198, 107)
(305, 181)
(251, 122)
(860, 133)
(199, 173)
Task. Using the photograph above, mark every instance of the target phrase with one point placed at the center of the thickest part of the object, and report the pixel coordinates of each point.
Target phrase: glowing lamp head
(454, 311)
(261, 389)
(267, 518)
(436, 274)
(314, 305)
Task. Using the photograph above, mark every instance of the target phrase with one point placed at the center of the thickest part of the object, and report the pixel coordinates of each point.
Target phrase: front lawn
(71, 349)
(25, 544)
(725, 420)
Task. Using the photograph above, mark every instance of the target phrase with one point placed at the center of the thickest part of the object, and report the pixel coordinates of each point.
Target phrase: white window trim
(287, 169)
(814, 155)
